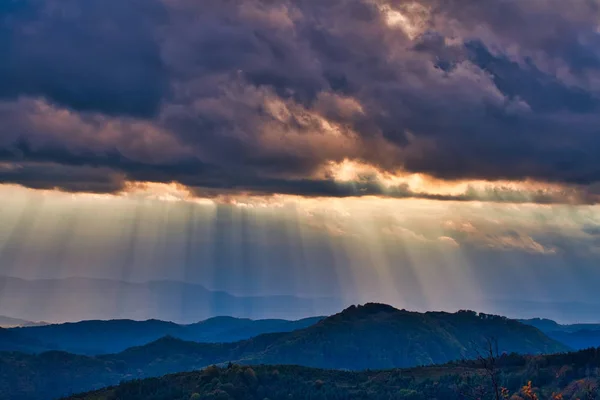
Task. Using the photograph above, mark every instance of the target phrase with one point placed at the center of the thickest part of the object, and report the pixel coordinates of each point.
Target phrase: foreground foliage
(558, 377)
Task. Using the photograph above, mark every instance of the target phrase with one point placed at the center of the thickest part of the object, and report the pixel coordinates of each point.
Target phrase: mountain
(576, 336)
(98, 299)
(548, 325)
(579, 340)
(14, 341)
(98, 337)
(543, 324)
(572, 312)
(229, 329)
(8, 322)
(522, 377)
(373, 336)
(103, 337)
(380, 336)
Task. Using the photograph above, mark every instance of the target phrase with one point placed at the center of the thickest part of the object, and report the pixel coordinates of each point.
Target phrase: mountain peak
(369, 309)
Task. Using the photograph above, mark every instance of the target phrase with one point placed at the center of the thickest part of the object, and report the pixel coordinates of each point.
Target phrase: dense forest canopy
(558, 377)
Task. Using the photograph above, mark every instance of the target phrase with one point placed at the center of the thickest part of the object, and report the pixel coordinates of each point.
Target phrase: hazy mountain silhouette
(548, 325)
(582, 339)
(102, 337)
(572, 312)
(78, 299)
(8, 322)
(11, 340)
(372, 336)
(576, 336)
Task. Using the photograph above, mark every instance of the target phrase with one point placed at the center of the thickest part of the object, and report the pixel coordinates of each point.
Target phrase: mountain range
(9, 322)
(103, 337)
(373, 336)
(548, 325)
(82, 299)
(14, 341)
(78, 299)
(576, 336)
(112, 336)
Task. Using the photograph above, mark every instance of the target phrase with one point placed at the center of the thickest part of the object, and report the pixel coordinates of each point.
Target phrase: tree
(489, 362)
(528, 392)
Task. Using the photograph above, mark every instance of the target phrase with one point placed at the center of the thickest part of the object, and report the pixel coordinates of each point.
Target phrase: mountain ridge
(104, 337)
(576, 336)
(96, 299)
(364, 337)
(10, 322)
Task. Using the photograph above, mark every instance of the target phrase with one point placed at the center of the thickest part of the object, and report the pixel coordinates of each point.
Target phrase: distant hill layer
(8, 322)
(13, 341)
(548, 325)
(99, 299)
(579, 340)
(462, 380)
(373, 336)
(576, 336)
(103, 337)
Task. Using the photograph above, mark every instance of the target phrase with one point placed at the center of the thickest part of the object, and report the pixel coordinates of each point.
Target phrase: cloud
(449, 241)
(497, 237)
(513, 240)
(248, 96)
(90, 56)
(65, 178)
(592, 230)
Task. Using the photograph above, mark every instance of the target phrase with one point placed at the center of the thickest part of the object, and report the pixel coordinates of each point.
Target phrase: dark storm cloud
(66, 178)
(232, 95)
(92, 55)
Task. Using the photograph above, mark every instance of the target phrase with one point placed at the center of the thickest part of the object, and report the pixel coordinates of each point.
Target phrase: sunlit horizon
(418, 254)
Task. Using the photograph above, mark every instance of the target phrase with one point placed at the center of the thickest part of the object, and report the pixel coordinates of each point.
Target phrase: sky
(431, 154)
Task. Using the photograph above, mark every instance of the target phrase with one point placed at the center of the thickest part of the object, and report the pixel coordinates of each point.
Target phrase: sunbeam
(415, 254)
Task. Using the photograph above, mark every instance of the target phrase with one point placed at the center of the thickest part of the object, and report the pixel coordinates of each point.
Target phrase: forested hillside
(374, 336)
(558, 377)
